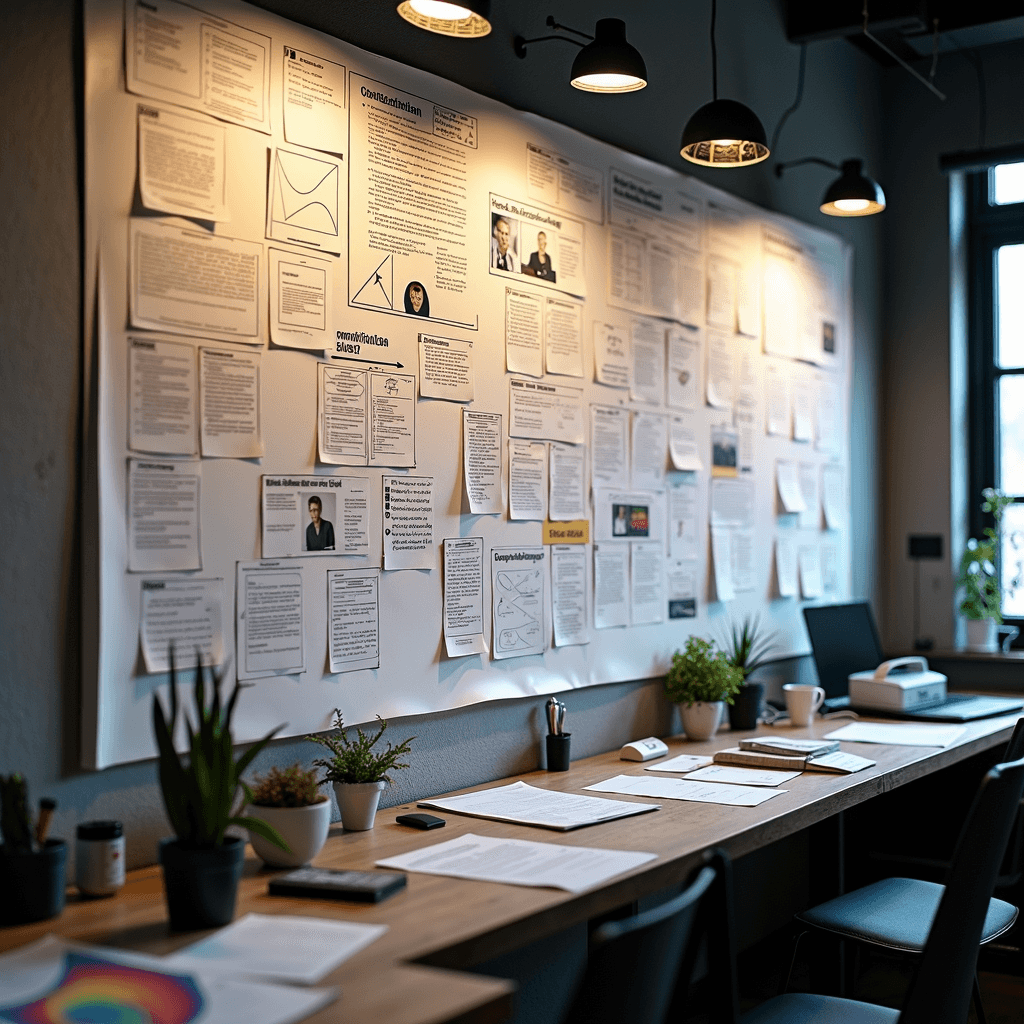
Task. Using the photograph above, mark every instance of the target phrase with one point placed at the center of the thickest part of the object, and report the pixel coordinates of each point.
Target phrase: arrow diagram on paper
(375, 362)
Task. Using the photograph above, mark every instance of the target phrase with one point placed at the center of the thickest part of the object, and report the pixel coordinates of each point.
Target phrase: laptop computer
(844, 639)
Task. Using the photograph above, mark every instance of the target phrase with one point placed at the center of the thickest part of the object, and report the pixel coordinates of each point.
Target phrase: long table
(438, 925)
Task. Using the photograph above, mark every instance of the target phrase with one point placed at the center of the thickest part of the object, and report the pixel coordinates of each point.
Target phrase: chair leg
(978, 1008)
(792, 962)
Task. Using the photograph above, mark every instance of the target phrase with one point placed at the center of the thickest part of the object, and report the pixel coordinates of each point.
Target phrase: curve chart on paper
(306, 193)
(518, 609)
(97, 991)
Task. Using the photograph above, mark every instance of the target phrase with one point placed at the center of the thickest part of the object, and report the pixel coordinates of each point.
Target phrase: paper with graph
(306, 199)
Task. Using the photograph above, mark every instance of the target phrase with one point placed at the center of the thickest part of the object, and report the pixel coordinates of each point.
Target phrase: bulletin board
(329, 283)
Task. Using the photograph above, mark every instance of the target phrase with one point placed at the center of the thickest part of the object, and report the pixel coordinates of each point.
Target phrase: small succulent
(287, 787)
(354, 760)
(699, 673)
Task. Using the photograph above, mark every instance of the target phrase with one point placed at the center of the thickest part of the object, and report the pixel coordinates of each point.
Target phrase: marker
(47, 806)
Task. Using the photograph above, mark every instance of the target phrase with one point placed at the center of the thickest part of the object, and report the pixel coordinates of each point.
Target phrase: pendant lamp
(723, 133)
(467, 19)
(852, 194)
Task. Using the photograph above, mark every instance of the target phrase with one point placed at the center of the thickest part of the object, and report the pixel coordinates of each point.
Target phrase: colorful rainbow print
(97, 991)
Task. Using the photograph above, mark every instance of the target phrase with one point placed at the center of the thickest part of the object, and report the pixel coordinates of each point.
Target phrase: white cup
(802, 702)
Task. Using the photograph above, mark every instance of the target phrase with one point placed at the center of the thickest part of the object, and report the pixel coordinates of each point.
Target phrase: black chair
(895, 914)
(945, 977)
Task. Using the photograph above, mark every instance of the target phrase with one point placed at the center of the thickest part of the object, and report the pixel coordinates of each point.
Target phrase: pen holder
(558, 752)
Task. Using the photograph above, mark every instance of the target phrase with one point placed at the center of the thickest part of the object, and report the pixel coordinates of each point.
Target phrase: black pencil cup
(745, 708)
(558, 752)
(32, 884)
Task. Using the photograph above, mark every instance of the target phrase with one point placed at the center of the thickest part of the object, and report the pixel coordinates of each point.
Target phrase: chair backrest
(941, 990)
(1013, 863)
(633, 963)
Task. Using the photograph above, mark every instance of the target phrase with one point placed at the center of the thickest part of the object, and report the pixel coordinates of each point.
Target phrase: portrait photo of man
(320, 531)
(503, 244)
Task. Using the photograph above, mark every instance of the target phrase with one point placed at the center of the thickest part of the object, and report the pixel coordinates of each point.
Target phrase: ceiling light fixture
(467, 19)
(723, 133)
(852, 194)
(608, 63)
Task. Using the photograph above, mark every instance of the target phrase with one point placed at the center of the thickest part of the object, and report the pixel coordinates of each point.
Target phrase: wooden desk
(437, 925)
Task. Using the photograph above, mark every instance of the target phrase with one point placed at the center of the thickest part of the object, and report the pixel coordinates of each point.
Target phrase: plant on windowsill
(290, 800)
(747, 648)
(202, 866)
(702, 681)
(359, 773)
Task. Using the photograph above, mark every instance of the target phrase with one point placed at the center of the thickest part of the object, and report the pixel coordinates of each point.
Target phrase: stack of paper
(899, 734)
(683, 789)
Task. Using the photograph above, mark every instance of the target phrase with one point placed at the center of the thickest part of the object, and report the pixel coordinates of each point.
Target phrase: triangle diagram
(379, 288)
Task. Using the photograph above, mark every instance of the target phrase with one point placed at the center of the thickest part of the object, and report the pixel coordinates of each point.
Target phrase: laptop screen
(844, 639)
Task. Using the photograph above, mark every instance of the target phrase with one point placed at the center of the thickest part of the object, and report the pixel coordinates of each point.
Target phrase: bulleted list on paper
(269, 614)
(446, 368)
(464, 596)
(185, 613)
(162, 415)
(481, 457)
(409, 522)
(163, 515)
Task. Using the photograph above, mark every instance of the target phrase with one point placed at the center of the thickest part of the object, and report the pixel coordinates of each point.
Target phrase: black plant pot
(745, 707)
(201, 885)
(32, 884)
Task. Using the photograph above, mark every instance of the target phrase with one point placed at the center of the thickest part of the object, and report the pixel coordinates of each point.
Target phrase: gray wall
(842, 116)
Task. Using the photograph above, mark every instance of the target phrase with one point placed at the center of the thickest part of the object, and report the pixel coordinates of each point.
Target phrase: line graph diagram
(379, 288)
(305, 196)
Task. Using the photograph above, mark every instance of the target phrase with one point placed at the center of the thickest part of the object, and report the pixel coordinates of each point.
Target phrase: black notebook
(329, 884)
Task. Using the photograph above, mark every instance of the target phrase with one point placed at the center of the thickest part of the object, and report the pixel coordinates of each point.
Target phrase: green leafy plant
(202, 791)
(979, 565)
(749, 645)
(15, 821)
(287, 787)
(354, 760)
(700, 673)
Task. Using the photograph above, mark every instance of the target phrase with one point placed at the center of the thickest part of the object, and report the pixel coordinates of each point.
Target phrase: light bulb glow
(725, 142)
(445, 19)
(440, 9)
(608, 83)
(851, 205)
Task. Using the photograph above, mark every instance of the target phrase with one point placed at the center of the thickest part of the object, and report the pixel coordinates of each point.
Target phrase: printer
(903, 684)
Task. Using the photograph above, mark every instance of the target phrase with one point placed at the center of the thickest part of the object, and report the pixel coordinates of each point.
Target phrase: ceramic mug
(802, 702)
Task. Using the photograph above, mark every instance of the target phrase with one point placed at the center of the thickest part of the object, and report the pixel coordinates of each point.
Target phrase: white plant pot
(982, 634)
(304, 829)
(357, 802)
(702, 718)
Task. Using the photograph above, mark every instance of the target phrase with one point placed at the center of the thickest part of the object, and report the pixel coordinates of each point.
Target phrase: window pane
(1009, 184)
(1011, 558)
(1010, 305)
(1011, 434)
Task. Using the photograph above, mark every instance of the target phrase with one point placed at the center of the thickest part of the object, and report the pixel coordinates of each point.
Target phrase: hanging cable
(975, 58)
(714, 52)
(796, 102)
(935, 50)
(895, 56)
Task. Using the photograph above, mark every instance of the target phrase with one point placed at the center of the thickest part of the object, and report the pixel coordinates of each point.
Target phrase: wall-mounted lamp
(467, 19)
(606, 64)
(852, 194)
(723, 133)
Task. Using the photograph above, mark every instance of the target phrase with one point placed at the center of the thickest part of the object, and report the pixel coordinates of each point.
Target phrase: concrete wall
(842, 116)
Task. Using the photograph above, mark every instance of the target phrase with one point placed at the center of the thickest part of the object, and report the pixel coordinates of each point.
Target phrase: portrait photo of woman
(540, 262)
(416, 301)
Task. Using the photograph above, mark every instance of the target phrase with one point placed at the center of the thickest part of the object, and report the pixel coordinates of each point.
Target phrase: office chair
(954, 924)
(634, 965)
(896, 913)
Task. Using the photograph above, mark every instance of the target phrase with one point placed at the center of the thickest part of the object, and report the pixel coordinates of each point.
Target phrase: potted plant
(702, 681)
(747, 649)
(202, 865)
(32, 874)
(359, 774)
(290, 800)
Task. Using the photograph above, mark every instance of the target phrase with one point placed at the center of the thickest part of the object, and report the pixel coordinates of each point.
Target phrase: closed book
(329, 884)
(789, 747)
(757, 759)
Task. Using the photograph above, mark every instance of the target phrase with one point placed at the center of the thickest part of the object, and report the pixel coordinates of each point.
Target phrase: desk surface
(440, 924)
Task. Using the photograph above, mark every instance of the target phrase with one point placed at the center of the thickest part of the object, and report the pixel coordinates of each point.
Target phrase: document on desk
(900, 735)
(729, 774)
(527, 805)
(681, 764)
(280, 947)
(519, 862)
(683, 789)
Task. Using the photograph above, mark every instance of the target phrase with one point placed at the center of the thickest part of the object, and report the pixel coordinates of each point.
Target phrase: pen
(47, 806)
(552, 712)
(561, 718)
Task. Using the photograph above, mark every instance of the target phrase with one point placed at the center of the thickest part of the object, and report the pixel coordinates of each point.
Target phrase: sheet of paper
(733, 535)
(567, 494)
(569, 594)
(306, 199)
(649, 448)
(683, 789)
(310, 515)
(722, 294)
(725, 445)
(832, 497)
(741, 776)
(732, 503)
(683, 446)
(189, 56)
(481, 462)
(778, 414)
(545, 412)
(446, 368)
(611, 586)
(830, 569)
(829, 411)
(188, 281)
(910, 734)
(163, 405)
(230, 404)
(629, 515)
(556, 180)
(518, 862)
(301, 301)
(392, 420)
(187, 613)
(747, 405)
(803, 417)
(278, 946)
(609, 446)
(527, 480)
(684, 358)
(409, 522)
(681, 765)
(612, 361)
(647, 344)
(720, 376)
(353, 619)
(847, 763)
(811, 583)
(517, 600)
(563, 337)
(810, 515)
(681, 590)
(528, 805)
(163, 515)
(646, 583)
(683, 541)
(342, 428)
(464, 596)
(181, 164)
(788, 483)
(721, 556)
(786, 566)
(524, 332)
(314, 101)
(269, 619)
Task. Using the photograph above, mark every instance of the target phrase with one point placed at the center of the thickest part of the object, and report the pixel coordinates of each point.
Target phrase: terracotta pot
(304, 829)
(357, 802)
(702, 718)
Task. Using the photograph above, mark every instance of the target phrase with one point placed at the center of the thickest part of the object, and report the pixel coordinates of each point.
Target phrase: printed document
(301, 300)
(649, 448)
(555, 180)
(788, 484)
(832, 497)
(741, 776)
(527, 479)
(683, 789)
(524, 326)
(721, 373)
(306, 200)
(446, 368)
(776, 393)
(646, 583)
(682, 518)
(409, 522)
(563, 337)
(519, 862)
(230, 400)
(314, 102)
(567, 498)
(162, 389)
(269, 619)
(648, 347)
(810, 515)
(681, 590)
(909, 734)
(517, 601)
(612, 363)
(811, 582)
(481, 462)
(680, 765)
(186, 613)
(683, 382)
(682, 443)
(569, 593)
(611, 585)
(609, 446)
(545, 412)
(464, 596)
(353, 626)
(314, 515)
(786, 565)
(163, 515)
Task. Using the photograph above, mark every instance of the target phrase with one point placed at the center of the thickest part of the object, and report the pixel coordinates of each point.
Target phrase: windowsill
(963, 655)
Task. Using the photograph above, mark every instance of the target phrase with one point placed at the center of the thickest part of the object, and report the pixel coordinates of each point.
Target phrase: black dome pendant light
(852, 194)
(723, 133)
